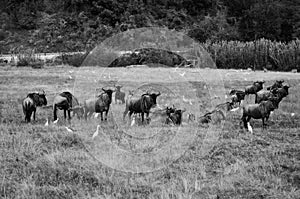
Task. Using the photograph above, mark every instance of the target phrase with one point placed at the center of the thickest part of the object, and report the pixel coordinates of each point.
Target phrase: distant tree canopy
(82, 22)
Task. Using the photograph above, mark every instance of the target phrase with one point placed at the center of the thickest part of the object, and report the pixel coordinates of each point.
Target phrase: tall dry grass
(49, 162)
(263, 53)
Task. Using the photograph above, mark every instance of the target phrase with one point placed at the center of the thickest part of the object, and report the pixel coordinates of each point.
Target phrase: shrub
(29, 58)
(74, 59)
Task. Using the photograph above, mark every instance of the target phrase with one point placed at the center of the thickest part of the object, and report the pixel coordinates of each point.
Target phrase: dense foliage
(73, 25)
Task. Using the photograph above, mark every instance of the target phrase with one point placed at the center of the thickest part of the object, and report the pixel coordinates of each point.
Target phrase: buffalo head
(42, 100)
(118, 87)
(109, 92)
(154, 96)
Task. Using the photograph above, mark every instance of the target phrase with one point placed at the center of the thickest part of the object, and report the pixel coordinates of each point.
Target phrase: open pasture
(50, 162)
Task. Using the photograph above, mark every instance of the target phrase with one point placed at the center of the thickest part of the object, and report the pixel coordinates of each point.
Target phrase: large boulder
(149, 56)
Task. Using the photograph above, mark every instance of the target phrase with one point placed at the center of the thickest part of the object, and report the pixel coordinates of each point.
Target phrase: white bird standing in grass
(249, 127)
(97, 132)
(182, 74)
(69, 129)
(234, 109)
(47, 122)
(187, 100)
(133, 120)
(292, 114)
(55, 122)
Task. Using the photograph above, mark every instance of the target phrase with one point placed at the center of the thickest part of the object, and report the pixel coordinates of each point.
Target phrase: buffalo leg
(147, 117)
(142, 117)
(267, 117)
(106, 115)
(27, 116)
(263, 122)
(125, 113)
(69, 114)
(244, 120)
(85, 115)
(34, 114)
(65, 114)
(54, 113)
(101, 115)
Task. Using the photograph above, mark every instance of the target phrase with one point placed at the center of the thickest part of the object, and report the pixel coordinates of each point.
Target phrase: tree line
(77, 24)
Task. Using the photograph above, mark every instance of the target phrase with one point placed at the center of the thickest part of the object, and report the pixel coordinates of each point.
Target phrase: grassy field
(216, 161)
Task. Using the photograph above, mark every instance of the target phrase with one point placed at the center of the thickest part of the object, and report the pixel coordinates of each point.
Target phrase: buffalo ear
(158, 94)
(103, 89)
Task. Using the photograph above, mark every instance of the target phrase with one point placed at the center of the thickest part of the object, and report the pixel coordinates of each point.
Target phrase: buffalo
(237, 96)
(227, 106)
(259, 111)
(278, 93)
(215, 115)
(254, 88)
(89, 107)
(277, 84)
(31, 102)
(191, 117)
(102, 104)
(175, 116)
(283, 92)
(264, 95)
(119, 95)
(67, 102)
(141, 105)
(162, 114)
(205, 119)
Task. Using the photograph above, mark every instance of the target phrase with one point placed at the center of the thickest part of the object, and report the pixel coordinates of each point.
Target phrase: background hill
(76, 25)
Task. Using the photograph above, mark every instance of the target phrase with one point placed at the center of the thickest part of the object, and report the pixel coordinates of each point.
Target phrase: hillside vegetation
(77, 25)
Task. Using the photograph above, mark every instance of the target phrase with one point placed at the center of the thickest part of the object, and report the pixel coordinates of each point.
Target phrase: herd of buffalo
(266, 101)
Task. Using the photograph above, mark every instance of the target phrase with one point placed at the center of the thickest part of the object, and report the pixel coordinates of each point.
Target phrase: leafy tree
(269, 19)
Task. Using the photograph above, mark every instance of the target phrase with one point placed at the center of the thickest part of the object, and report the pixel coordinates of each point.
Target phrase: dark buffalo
(278, 94)
(175, 116)
(141, 105)
(103, 102)
(283, 92)
(254, 88)
(162, 114)
(277, 84)
(67, 102)
(237, 96)
(258, 111)
(264, 95)
(30, 103)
